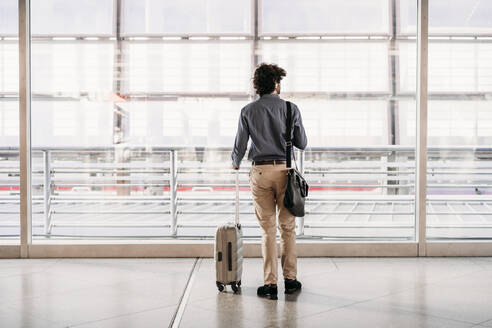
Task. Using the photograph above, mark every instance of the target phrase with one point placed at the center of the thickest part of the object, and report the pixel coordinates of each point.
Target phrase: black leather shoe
(269, 291)
(292, 286)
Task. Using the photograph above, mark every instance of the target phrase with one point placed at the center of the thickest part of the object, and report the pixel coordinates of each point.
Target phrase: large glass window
(134, 115)
(135, 107)
(9, 123)
(460, 120)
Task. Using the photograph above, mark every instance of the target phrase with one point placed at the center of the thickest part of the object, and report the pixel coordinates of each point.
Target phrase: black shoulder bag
(296, 189)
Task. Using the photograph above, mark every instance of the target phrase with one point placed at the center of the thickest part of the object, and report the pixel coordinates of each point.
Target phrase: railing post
(301, 169)
(172, 191)
(47, 191)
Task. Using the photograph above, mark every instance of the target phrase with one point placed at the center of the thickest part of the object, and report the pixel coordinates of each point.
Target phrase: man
(264, 120)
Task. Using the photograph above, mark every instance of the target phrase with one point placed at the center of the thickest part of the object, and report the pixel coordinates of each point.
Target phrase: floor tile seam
(394, 308)
(123, 315)
(334, 263)
(380, 296)
(332, 309)
(480, 323)
(406, 309)
(180, 310)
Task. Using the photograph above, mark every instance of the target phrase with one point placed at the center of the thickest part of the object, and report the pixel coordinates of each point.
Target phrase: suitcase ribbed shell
(229, 253)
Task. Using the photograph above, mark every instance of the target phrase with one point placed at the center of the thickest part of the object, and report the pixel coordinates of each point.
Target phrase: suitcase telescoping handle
(236, 218)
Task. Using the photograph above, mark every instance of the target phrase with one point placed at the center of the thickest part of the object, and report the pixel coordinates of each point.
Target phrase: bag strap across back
(288, 139)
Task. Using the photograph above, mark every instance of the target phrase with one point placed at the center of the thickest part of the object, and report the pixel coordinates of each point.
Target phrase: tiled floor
(337, 292)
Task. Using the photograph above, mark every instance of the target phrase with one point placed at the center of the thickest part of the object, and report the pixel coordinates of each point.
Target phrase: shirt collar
(274, 95)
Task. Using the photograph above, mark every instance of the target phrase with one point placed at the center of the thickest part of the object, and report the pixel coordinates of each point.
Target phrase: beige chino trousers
(268, 188)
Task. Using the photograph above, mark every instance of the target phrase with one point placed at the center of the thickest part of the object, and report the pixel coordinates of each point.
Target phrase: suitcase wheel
(220, 286)
(235, 287)
(239, 283)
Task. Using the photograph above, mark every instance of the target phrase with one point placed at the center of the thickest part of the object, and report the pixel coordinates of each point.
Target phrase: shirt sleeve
(300, 139)
(241, 142)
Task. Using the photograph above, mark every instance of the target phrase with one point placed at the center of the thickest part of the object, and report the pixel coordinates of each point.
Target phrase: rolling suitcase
(229, 251)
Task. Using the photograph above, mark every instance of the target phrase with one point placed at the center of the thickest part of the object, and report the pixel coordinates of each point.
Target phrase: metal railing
(383, 175)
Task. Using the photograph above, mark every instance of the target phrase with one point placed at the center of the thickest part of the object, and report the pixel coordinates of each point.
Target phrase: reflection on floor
(337, 292)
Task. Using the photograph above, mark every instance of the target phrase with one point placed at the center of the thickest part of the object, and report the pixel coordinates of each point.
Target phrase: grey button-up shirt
(264, 120)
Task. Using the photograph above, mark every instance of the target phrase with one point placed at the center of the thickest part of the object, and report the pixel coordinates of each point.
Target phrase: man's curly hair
(265, 77)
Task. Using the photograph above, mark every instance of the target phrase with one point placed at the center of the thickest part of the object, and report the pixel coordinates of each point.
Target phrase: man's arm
(300, 139)
(241, 142)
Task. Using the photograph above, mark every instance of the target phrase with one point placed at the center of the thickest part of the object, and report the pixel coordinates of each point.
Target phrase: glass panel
(347, 122)
(355, 106)
(184, 121)
(9, 18)
(455, 67)
(157, 17)
(108, 118)
(72, 67)
(449, 17)
(460, 118)
(9, 123)
(188, 66)
(331, 66)
(334, 17)
(81, 18)
(73, 124)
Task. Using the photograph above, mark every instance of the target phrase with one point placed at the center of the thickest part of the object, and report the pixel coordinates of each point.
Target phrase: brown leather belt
(268, 162)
